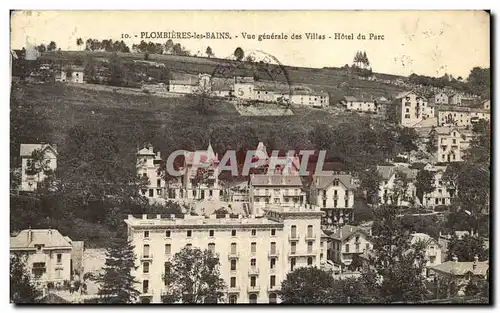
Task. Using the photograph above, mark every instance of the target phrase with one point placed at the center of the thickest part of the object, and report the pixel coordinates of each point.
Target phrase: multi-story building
(191, 185)
(47, 254)
(360, 104)
(72, 74)
(275, 189)
(397, 182)
(441, 98)
(451, 143)
(310, 98)
(255, 254)
(148, 166)
(432, 250)
(348, 241)
(461, 116)
(36, 161)
(334, 194)
(442, 194)
(244, 88)
(183, 86)
(264, 93)
(412, 108)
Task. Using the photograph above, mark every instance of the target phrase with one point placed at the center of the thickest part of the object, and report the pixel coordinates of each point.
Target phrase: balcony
(253, 271)
(273, 254)
(302, 253)
(233, 255)
(273, 288)
(310, 237)
(255, 288)
(147, 293)
(233, 289)
(145, 257)
(294, 237)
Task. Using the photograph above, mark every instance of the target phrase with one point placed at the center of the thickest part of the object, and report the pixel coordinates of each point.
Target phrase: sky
(423, 42)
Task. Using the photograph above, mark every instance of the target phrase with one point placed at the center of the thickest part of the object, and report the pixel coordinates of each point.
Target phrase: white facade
(347, 242)
(360, 104)
(47, 254)
(432, 249)
(76, 76)
(29, 181)
(264, 248)
(318, 100)
(452, 143)
(441, 98)
(148, 164)
(390, 184)
(461, 116)
(412, 109)
(244, 88)
(334, 194)
(441, 194)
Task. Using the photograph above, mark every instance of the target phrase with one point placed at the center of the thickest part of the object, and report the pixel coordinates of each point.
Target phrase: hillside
(333, 80)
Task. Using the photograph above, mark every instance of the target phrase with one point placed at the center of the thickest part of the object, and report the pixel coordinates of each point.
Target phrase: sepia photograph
(250, 157)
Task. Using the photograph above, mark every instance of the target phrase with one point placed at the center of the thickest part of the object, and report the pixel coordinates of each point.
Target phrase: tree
(116, 71)
(370, 181)
(22, 290)
(52, 46)
(467, 248)
(117, 282)
(41, 48)
(38, 164)
(239, 54)
(479, 151)
(209, 52)
(193, 276)
(79, 42)
(424, 184)
(308, 285)
(479, 81)
(431, 144)
(146, 55)
(408, 139)
(395, 269)
(250, 58)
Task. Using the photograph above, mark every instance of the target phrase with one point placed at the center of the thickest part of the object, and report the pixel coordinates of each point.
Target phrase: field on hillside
(326, 79)
(45, 113)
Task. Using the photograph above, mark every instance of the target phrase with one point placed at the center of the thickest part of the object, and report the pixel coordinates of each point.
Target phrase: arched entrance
(252, 298)
(273, 298)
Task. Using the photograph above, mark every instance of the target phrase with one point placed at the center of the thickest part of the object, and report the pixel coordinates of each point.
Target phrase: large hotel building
(255, 253)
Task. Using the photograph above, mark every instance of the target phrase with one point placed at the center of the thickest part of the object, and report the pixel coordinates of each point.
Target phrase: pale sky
(423, 42)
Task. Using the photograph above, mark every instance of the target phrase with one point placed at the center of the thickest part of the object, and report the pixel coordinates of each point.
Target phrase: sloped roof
(324, 181)
(359, 98)
(422, 237)
(462, 268)
(386, 171)
(184, 82)
(346, 231)
(146, 151)
(275, 180)
(444, 130)
(50, 238)
(244, 80)
(406, 93)
(28, 148)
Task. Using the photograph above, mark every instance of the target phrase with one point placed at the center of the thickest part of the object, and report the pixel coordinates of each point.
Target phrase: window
(334, 203)
(273, 247)
(146, 234)
(407, 110)
(145, 267)
(309, 231)
(346, 204)
(407, 115)
(324, 203)
(233, 232)
(367, 246)
(273, 232)
(168, 249)
(309, 261)
(254, 232)
(272, 281)
(167, 233)
(293, 231)
(273, 298)
(253, 262)
(189, 233)
(59, 258)
(294, 247)
(335, 182)
(233, 265)
(253, 247)
(233, 282)
(252, 298)
(233, 248)
(347, 248)
(145, 286)
(272, 263)
(189, 246)
(145, 250)
(253, 281)
(309, 246)
(211, 233)
(292, 264)
(158, 183)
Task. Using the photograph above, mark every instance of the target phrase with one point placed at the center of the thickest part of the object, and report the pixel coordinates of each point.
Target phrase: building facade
(71, 75)
(148, 166)
(360, 104)
(35, 170)
(441, 98)
(412, 108)
(452, 142)
(47, 254)
(334, 194)
(244, 88)
(442, 194)
(255, 254)
(397, 186)
(461, 116)
(347, 242)
(432, 250)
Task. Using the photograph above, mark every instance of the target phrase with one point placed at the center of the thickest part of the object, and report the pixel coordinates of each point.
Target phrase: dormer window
(39, 247)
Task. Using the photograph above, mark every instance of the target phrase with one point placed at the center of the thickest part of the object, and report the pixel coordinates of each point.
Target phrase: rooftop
(323, 181)
(462, 268)
(275, 180)
(49, 238)
(346, 231)
(28, 148)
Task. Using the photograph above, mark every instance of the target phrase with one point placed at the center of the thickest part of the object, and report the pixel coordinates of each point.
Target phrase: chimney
(341, 232)
(158, 216)
(144, 216)
(476, 259)
(30, 235)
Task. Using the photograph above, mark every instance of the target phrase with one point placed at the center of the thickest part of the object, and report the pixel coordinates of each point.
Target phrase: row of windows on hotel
(253, 232)
(233, 251)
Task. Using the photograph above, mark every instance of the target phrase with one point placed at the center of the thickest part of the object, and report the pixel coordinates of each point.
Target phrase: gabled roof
(346, 231)
(275, 180)
(359, 98)
(27, 148)
(50, 238)
(146, 151)
(387, 171)
(406, 93)
(443, 130)
(324, 181)
(462, 268)
(423, 237)
(184, 82)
